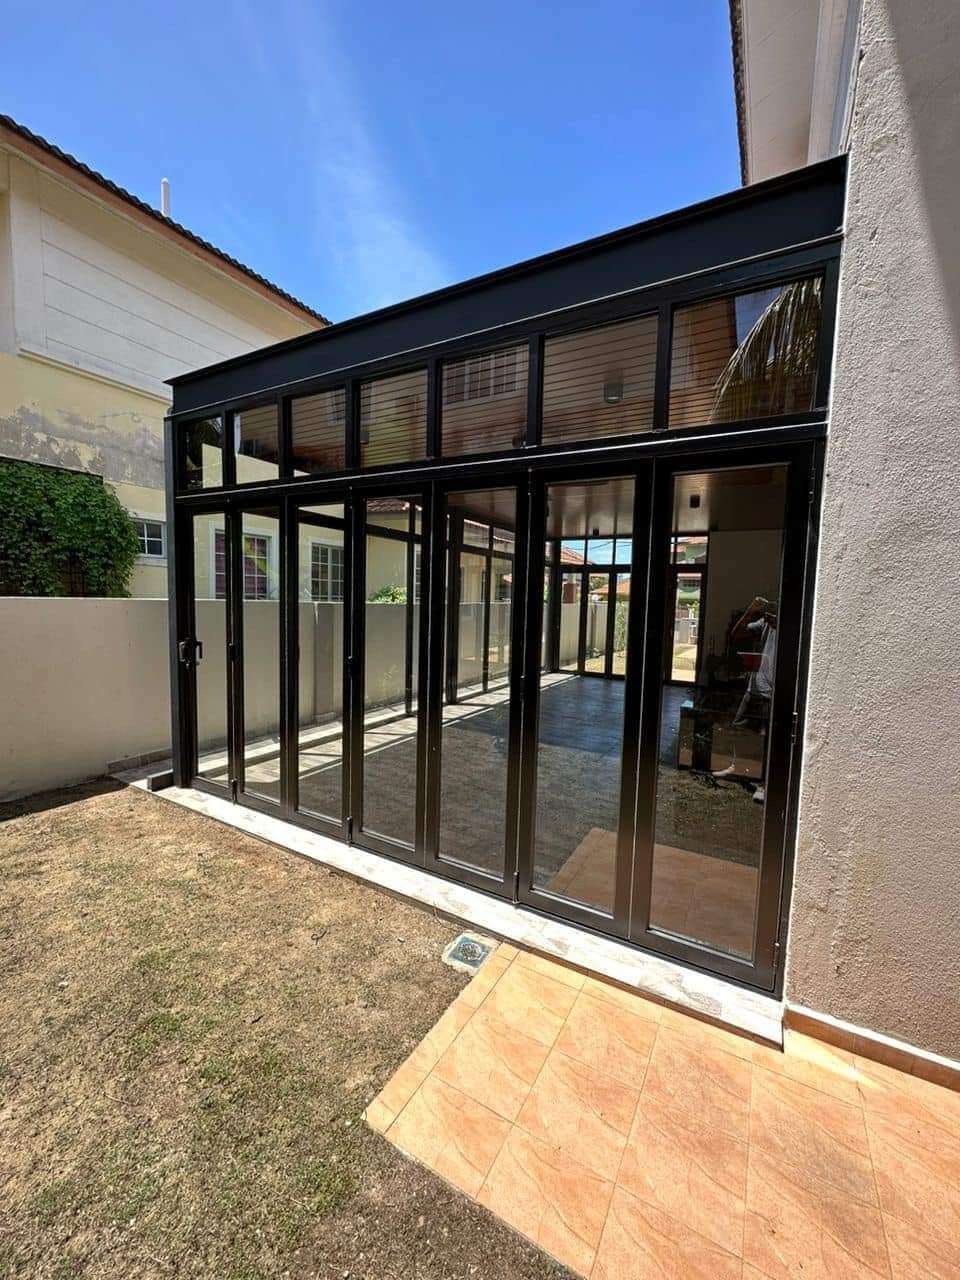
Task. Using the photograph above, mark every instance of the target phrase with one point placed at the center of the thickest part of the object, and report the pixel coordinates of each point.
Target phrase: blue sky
(362, 153)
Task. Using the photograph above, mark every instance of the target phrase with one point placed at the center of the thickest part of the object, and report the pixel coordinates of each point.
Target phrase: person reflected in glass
(758, 624)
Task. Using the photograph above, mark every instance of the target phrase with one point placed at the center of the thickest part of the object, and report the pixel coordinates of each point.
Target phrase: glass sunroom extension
(510, 582)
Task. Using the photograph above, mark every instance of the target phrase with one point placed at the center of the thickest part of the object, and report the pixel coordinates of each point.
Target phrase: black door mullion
(233, 539)
(289, 657)
(525, 685)
(582, 623)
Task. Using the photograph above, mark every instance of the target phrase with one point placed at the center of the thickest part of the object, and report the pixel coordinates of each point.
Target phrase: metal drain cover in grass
(468, 952)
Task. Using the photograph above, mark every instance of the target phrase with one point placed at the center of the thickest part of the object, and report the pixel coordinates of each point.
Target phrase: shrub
(62, 533)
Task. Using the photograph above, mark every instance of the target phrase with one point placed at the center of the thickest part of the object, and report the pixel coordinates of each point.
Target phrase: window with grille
(150, 535)
(256, 566)
(326, 573)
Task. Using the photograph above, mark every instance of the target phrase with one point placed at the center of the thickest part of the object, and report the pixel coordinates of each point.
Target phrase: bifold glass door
(577, 691)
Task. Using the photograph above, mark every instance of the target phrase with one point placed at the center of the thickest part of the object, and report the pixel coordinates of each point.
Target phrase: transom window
(256, 566)
(150, 535)
(326, 573)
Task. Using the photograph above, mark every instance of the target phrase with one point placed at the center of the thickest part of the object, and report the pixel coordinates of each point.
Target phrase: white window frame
(485, 377)
(316, 543)
(151, 557)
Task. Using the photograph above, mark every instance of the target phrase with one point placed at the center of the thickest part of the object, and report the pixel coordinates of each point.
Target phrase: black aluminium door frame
(617, 922)
(801, 460)
(355, 662)
(442, 602)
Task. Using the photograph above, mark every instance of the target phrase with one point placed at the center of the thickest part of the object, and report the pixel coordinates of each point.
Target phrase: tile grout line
(616, 1179)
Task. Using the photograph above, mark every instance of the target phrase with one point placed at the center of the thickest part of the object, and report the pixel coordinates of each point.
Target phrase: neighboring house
(102, 299)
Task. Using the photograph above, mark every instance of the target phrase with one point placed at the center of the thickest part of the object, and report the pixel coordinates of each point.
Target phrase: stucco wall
(875, 930)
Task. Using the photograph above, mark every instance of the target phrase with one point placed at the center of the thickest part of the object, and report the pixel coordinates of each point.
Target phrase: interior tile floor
(632, 1141)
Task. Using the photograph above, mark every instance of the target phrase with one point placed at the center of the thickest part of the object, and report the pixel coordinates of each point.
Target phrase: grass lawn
(192, 1024)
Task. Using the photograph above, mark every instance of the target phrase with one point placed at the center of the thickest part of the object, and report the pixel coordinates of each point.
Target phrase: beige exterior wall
(875, 928)
(97, 309)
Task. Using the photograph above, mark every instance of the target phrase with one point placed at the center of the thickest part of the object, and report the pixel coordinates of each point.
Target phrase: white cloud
(363, 227)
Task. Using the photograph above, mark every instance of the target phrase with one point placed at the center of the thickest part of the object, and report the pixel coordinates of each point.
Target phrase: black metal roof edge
(142, 207)
(727, 199)
(739, 89)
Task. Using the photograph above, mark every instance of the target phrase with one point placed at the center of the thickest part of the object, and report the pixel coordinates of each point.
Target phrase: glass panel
(752, 355)
(320, 541)
(595, 636)
(570, 597)
(257, 443)
(690, 548)
(390, 684)
(580, 719)
(714, 734)
(261, 654)
(202, 454)
(318, 432)
(475, 729)
(621, 612)
(393, 419)
(599, 382)
(600, 550)
(686, 616)
(476, 533)
(484, 402)
(210, 615)
(473, 590)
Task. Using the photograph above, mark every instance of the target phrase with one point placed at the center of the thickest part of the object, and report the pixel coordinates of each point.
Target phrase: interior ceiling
(600, 508)
(735, 498)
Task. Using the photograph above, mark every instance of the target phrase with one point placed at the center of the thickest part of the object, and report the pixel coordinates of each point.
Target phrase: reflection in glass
(714, 729)
(393, 419)
(318, 432)
(749, 355)
(210, 618)
(599, 382)
(475, 726)
(257, 443)
(201, 447)
(580, 718)
(320, 545)
(484, 402)
(391, 623)
(261, 654)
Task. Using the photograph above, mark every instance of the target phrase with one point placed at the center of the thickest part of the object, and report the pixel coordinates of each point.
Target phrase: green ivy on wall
(62, 533)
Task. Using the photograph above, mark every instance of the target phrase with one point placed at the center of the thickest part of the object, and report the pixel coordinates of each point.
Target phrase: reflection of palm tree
(772, 370)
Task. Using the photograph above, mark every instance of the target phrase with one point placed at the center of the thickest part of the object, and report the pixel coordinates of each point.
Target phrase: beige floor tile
(814, 1063)
(535, 1005)
(450, 1133)
(610, 1037)
(378, 1116)
(550, 969)
(641, 1242)
(793, 1232)
(584, 1113)
(554, 1201)
(916, 1254)
(493, 1063)
(825, 1140)
(918, 1177)
(632, 1001)
(487, 977)
(411, 1074)
(689, 1170)
(702, 1081)
(705, 1033)
(905, 1099)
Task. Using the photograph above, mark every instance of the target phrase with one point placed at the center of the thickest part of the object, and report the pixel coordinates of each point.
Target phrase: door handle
(190, 651)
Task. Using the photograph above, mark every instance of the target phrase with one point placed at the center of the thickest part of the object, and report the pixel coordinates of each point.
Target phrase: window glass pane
(202, 454)
(256, 439)
(690, 549)
(318, 432)
(484, 402)
(150, 537)
(260, 542)
(320, 609)
(600, 550)
(392, 513)
(716, 699)
(210, 613)
(752, 355)
(393, 419)
(599, 382)
(476, 533)
(391, 625)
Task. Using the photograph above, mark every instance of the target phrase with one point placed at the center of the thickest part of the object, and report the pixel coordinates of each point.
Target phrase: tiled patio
(632, 1141)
